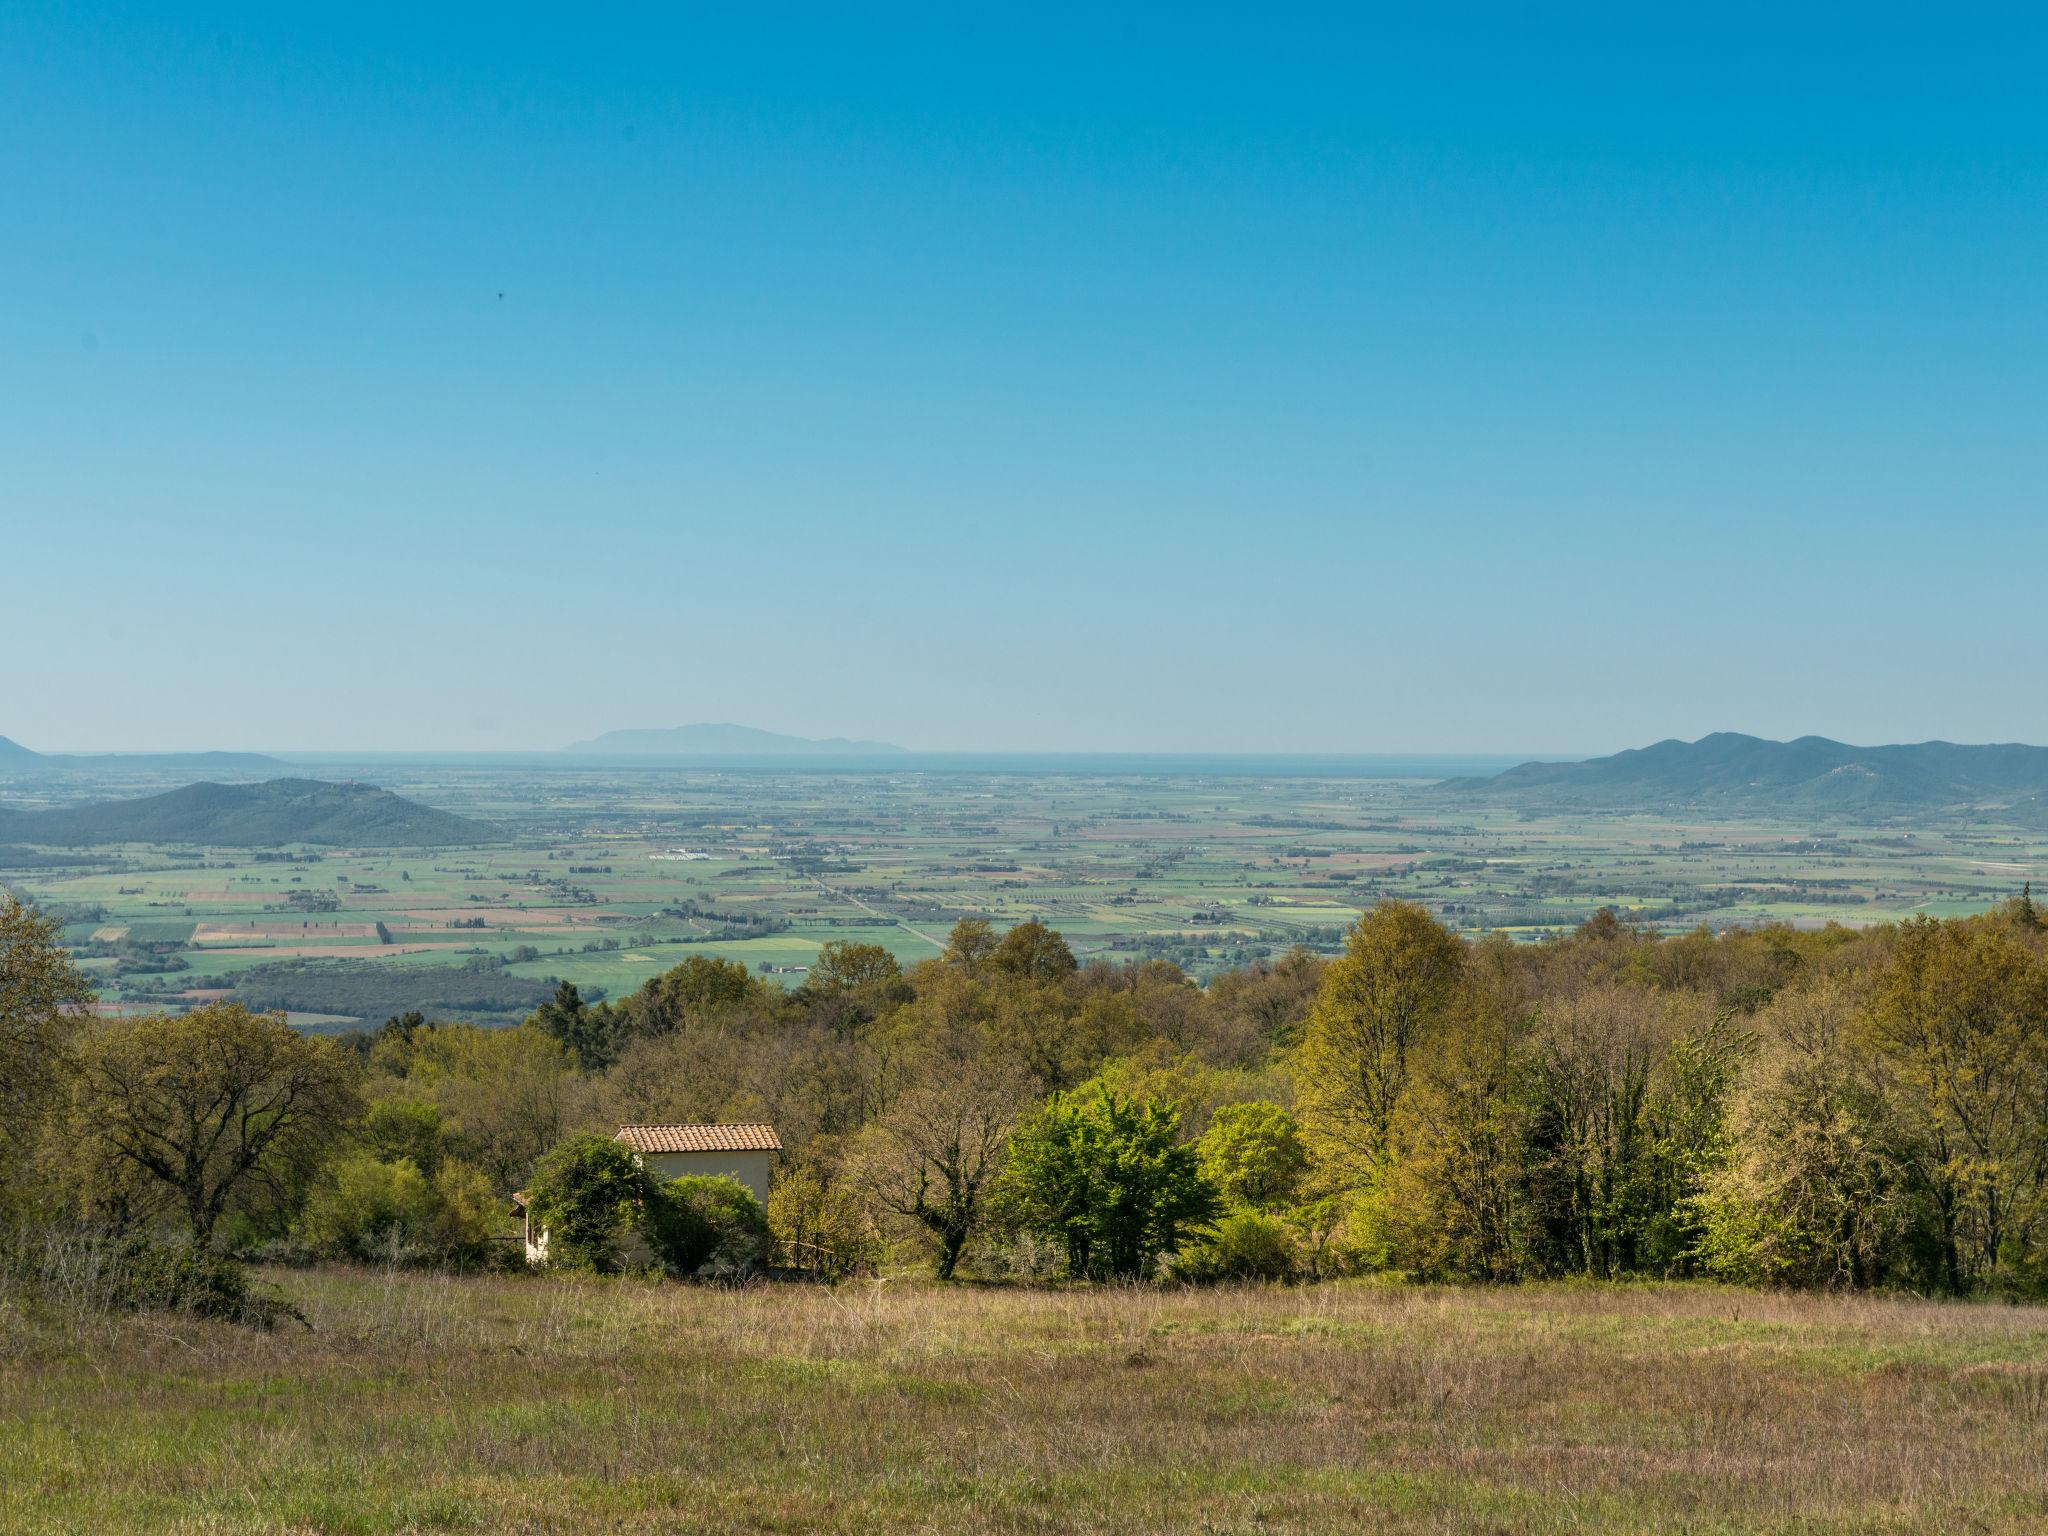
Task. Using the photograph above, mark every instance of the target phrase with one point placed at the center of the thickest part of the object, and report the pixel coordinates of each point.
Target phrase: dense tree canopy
(1767, 1105)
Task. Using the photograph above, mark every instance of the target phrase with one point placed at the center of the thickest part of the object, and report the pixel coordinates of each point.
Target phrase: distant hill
(704, 741)
(251, 816)
(1812, 775)
(15, 758)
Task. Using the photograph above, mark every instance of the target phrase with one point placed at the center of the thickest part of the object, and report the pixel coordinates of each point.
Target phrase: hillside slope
(1811, 775)
(17, 759)
(252, 816)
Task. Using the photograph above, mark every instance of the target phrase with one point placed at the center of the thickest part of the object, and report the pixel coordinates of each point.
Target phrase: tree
(589, 1192)
(818, 1225)
(589, 1033)
(1253, 1154)
(1817, 1188)
(701, 986)
(842, 966)
(41, 996)
(970, 944)
(212, 1105)
(504, 1095)
(932, 1157)
(1033, 952)
(1400, 972)
(361, 1206)
(1960, 1019)
(1590, 1140)
(1109, 1178)
(1455, 1199)
(402, 1128)
(2024, 913)
(711, 1228)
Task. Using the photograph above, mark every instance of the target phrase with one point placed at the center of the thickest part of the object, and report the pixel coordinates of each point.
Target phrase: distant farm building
(739, 1152)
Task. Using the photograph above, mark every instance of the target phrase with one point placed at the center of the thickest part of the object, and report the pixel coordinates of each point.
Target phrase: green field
(1208, 871)
(429, 1403)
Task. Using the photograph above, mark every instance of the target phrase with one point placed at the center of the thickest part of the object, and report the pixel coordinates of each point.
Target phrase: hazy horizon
(911, 753)
(1147, 382)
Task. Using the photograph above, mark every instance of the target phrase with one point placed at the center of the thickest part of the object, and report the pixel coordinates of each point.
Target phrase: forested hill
(1810, 775)
(252, 816)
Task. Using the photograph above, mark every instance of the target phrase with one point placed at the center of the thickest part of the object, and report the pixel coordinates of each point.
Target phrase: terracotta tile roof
(700, 1138)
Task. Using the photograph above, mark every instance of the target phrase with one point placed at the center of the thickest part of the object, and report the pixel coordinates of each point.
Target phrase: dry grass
(425, 1403)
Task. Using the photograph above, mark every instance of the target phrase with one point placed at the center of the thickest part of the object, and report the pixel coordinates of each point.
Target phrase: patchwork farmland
(607, 878)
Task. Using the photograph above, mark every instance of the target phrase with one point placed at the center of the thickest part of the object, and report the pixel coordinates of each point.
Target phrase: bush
(361, 1207)
(365, 1208)
(1244, 1245)
(818, 1226)
(708, 1228)
(589, 1192)
(95, 1271)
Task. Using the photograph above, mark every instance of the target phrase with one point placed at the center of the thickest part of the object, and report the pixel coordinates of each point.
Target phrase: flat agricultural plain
(589, 881)
(430, 1403)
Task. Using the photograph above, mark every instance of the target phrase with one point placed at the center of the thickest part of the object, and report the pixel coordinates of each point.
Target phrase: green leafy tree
(204, 1108)
(843, 966)
(590, 1193)
(404, 1129)
(1253, 1154)
(1959, 1019)
(362, 1207)
(1399, 976)
(970, 944)
(818, 1225)
(590, 1034)
(1109, 1178)
(710, 1228)
(1817, 1187)
(1033, 952)
(41, 996)
(703, 986)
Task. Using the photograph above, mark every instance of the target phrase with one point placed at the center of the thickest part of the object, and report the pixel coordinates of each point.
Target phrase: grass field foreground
(424, 1403)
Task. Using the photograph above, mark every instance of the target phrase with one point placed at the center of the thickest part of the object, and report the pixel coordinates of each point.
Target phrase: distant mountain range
(1812, 775)
(251, 816)
(714, 741)
(15, 758)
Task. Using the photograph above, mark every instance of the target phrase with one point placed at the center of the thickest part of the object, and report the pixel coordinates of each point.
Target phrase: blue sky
(1411, 379)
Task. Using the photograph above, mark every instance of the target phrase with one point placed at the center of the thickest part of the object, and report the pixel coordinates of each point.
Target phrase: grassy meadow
(426, 1403)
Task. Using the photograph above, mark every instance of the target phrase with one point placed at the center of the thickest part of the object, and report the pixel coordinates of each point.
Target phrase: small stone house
(741, 1152)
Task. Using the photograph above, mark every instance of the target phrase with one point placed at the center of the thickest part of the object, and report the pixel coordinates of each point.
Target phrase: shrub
(818, 1226)
(589, 1193)
(710, 1228)
(96, 1271)
(1244, 1245)
(361, 1207)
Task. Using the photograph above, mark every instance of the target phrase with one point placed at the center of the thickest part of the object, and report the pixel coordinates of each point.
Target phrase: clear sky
(1419, 378)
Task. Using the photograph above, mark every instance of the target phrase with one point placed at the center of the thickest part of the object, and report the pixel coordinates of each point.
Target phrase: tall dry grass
(420, 1402)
